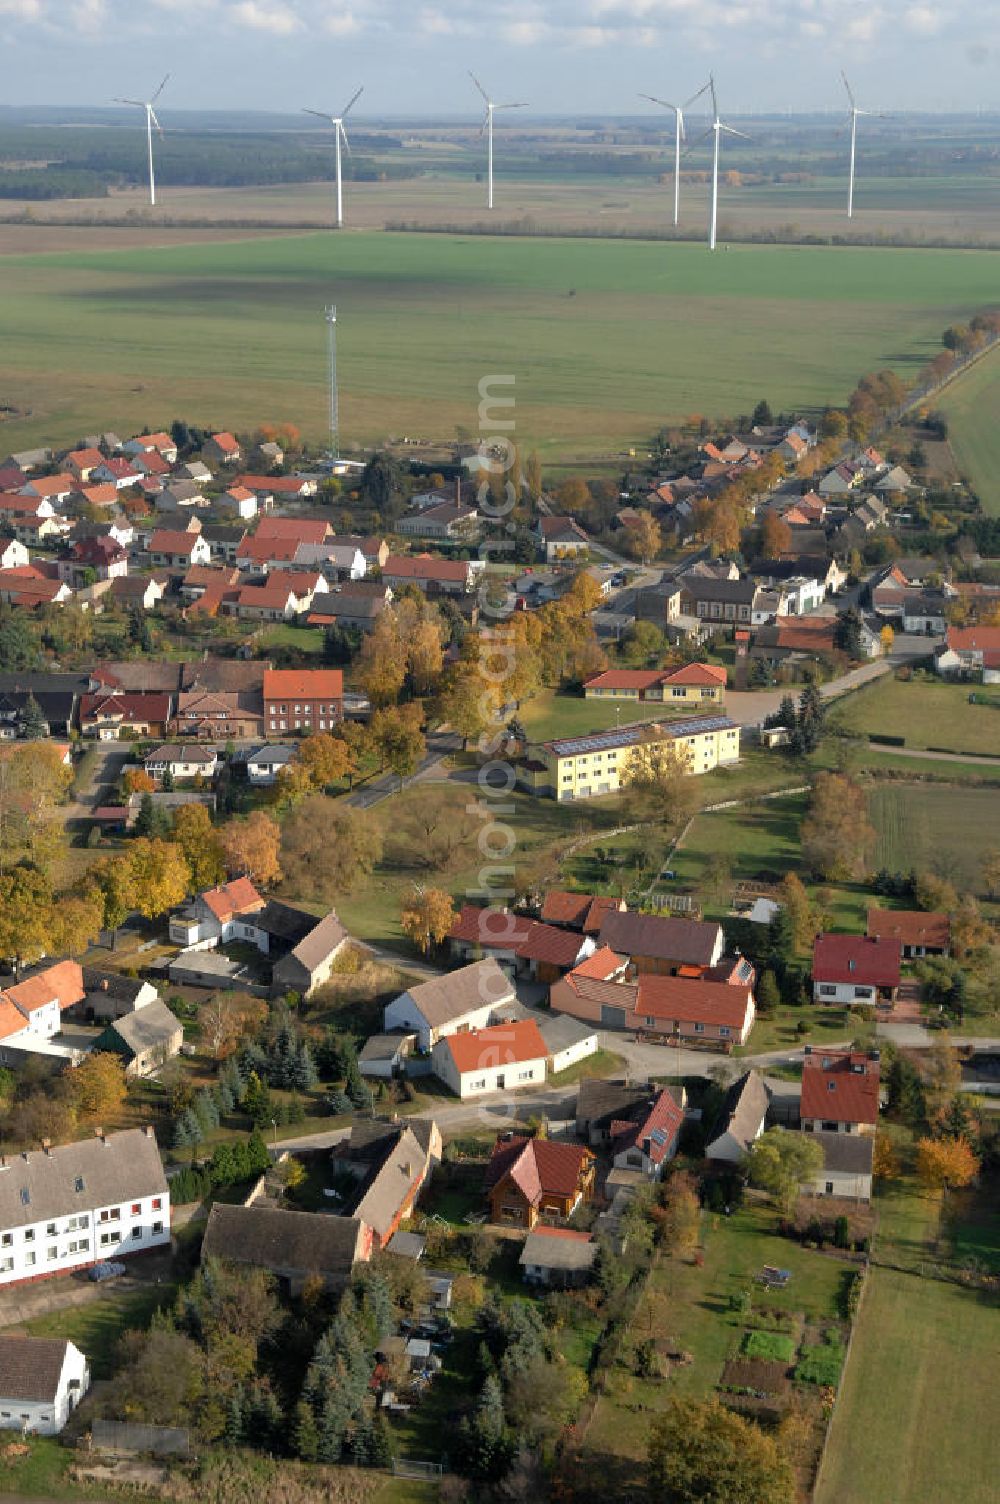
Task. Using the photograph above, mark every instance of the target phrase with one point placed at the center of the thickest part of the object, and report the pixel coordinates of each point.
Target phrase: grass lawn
(970, 404)
(799, 323)
(600, 1063)
(96, 1326)
(689, 1306)
(916, 1421)
(43, 1473)
(937, 827)
(551, 714)
(927, 712)
(285, 635)
(826, 1026)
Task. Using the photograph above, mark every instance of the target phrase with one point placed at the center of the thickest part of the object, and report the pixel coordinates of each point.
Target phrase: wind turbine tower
(151, 120)
(339, 138)
(853, 114)
(679, 136)
(331, 334)
(487, 129)
(718, 129)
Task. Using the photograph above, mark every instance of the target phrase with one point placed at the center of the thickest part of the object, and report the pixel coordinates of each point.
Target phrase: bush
(821, 1365)
(770, 1345)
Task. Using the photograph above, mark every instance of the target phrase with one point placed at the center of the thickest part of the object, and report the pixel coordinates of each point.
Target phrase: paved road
(439, 745)
(105, 761)
(749, 707)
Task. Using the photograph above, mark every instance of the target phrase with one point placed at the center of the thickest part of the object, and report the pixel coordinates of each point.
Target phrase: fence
(408, 1467)
(127, 1439)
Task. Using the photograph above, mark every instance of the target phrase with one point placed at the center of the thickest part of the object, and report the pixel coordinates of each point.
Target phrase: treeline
(54, 181)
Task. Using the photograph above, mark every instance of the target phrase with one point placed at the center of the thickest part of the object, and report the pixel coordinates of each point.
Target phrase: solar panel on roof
(658, 1136)
(629, 736)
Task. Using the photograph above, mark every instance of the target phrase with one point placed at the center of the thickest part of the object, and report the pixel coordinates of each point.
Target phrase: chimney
(47, 1145)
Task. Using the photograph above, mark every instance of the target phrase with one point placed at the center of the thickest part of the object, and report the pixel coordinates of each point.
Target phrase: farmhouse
(741, 1119)
(174, 761)
(847, 1166)
(974, 651)
(67, 1207)
(144, 1039)
(855, 969)
(532, 1178)
(584, 767)
(658, 944)
(455, 1003)
(42, 1380)
(694, 1010)
(443, 576)
(217, 916)
(296, 1247)
(390, 1162)
(577, 911)
(561, 538)
(528, 947)
(840, 1091)
(309, 964)
(918, 933)
(647, 1141)
(503, 1057)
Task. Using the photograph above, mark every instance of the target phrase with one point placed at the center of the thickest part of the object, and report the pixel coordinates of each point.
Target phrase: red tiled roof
(569, 1233)
(135, 706)
(61, 983)
(501, 1044)
(169, 541)
(11, 1021)
(237, 897)
(840, 1085)
(424, 567)
(561, 907)
(856, 958)
(547, 943)
(121, 468)
(159, 440)
(974, 639)
(277, 485)
(692, 1001)
(697, 673)
(103, 495)
(489, 927)
(539, 1166)
(51, 485)
(84, 459)
(601, 966)
(302, 529)
(910, 927)
(227, 442)
(303, 684)
(660, 1126)
(270, 547)
(626, 678)
(151, 463)
(270, 597)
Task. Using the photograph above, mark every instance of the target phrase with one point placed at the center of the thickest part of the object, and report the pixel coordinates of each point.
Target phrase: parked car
(105, 1270)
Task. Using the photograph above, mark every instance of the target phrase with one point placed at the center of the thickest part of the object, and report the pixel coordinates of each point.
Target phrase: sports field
(972, 407)
(606, 339)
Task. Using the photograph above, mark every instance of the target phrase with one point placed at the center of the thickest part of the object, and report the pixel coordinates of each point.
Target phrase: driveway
(24, 1302)
(440, 744)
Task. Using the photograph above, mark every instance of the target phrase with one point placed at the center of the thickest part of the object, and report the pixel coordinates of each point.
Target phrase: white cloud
(90, 15)
(21, 10)
(344, 24)
(276, 19)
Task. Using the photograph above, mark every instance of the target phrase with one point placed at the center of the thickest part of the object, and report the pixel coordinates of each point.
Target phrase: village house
(694, 683)
(740, 1121)
(306, 700)
(82, 462)
(840, 1091)
(561, 538)
(443, 523)
(661, 944)
(219, 714)
(970, 651)
(237, 501)
(917, 932)
(55, 489)
(353, 604)
(67, 1207)
(503, 1057)
(557, 1257)
(275, 601)
(602, 1104)
(144, 591)
(109, 995)
(221, 449)
(855, 969)
(31, 1013)
(283, 488)
(144, 443)
(42, 1380)
(647, 1140)
(120, 473)
(144, 1039)
(93, 558)
(217, 916)
(577, 911)
(567, 1040)
(454, 1003)
(107, 713)
(848, 1161)
(432, 575)
(174, 761)
(693, 1009)
(309, 964)
(584, 767)
(532, 1179)
(721, 602)
(390, 1163)
(528, 947)
(174, 549)
(265, 763)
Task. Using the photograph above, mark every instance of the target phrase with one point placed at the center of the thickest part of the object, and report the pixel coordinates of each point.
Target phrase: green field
(233, 332)
(934, 828)
(927, 712)
(971, 406)
(916, 1422)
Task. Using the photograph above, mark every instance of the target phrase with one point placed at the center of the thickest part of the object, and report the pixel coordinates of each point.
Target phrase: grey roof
(208, 963)
(112, 984)
(548, 1252)
(282, 921)
(848, 1153)
(743, 1110)
(458, 992)
(30, 1367)
(560, 1030)
(123, 1166)
(597, 1099)
(282, 1241)
(689, 941)
(272, 753)
(738, 592)
(385, 1046)
(408, 1245)
(320, 943)
(147, 1027)
(393, 1183)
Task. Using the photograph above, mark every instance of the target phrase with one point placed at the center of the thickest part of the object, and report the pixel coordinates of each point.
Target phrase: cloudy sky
(561, 55)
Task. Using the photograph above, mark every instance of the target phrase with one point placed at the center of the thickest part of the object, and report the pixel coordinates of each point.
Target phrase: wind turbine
(854, 112)
(679, 136)
(487, 129)
(151, 120)
(717, 129)
(339, 135)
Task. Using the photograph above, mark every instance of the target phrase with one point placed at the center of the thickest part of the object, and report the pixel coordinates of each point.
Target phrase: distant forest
(42, 163)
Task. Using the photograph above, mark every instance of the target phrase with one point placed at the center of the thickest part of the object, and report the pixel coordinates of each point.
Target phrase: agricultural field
(971, 405)
(934, 828)
(910, 1426)
(925, 712)
(233, 332)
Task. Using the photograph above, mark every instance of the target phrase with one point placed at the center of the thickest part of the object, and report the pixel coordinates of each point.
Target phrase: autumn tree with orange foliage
(775, 536)
(945, 1164)
(427, 916)
(251, 848)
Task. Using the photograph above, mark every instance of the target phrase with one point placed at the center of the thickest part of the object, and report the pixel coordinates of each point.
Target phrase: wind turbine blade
(139, 103)
(518, 104)
(353, 101)
(850, 93)
(479, 86)
(343, 137)
(715, 102)
(486, 121)
(152, 116)
(703, 90)
(664, 102)
(707, 134)
(729, 130)
(160, 89)
(319, 115)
